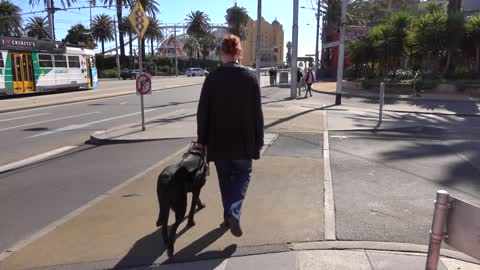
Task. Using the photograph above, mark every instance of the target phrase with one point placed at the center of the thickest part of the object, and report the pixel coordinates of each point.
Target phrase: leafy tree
(65, 3)
(237, 18)
(153, 32)
(473, 34)
(79, 34)
(37, 27)
(10, 19)
(102, 29)
(192, 47)
(456, 33)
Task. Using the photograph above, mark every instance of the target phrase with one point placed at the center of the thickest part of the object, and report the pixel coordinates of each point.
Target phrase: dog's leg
(200, 204)
(195, 202)
(180, 211)
(164, 214)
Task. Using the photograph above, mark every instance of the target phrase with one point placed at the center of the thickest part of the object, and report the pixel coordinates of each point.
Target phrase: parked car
(196, 72)
(129, 74)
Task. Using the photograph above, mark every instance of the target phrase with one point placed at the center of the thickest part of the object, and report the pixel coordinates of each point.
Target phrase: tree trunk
(103, 47)
(130, 38)
(477, 59)
(119, 22)
(151, 45)
(449, 62)
(143, 48)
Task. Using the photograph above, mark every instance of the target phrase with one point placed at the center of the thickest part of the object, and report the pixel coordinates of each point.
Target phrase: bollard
(438, 229)
(381, 102)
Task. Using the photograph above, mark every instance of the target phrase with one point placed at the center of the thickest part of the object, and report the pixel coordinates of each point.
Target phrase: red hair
(231, 45)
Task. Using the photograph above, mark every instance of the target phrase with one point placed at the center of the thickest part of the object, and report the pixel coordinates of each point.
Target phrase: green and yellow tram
(35, 66)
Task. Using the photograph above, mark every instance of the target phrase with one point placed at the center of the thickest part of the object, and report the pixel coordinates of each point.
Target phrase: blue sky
(174, 11)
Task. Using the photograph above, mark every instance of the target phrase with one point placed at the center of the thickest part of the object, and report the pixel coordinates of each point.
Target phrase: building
(272, 43)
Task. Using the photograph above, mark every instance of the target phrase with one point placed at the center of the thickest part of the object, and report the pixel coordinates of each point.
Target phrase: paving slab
(395, 261)
(452, 264)
(333, 260)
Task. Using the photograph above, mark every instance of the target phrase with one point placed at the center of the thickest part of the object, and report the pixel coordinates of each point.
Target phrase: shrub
(109, 73)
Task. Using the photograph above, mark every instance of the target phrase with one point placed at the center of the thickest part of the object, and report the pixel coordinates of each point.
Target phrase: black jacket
(229, 115)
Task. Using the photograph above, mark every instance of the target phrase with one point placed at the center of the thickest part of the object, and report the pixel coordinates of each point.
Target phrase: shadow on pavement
(291, 117)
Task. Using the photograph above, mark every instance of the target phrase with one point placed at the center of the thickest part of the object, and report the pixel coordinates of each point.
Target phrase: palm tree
(65, 3)
(102, 29)
(37, 28)
(192, 47)
(237, 18)
(473, 32)
(127, 30)
(119, 4)
(432, 7)
(198, 24)
(456, 34)
(207, 44)
(430, 37)
(10, 19)
(150, 6)
(79, 34)
(153, 32)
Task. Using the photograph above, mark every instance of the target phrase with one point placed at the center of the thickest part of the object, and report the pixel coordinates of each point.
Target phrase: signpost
(139, 21)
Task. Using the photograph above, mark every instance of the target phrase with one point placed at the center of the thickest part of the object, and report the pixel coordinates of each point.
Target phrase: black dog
(174, 182)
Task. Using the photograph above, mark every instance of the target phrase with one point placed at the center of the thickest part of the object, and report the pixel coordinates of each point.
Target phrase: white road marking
(328, 201)
(30, 239)
(123, 103)
(79, 126)
(23, 117)
(34, 159)
(46, 121)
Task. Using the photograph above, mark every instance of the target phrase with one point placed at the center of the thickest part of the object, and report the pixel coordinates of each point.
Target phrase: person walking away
(309, 79)
(275, 72)
(299, 81)
(230, 125)
(270, 73)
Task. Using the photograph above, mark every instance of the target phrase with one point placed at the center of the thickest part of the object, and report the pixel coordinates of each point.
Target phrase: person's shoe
(234, 225)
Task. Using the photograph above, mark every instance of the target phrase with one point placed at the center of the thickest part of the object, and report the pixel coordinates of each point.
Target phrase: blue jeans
(233, 177)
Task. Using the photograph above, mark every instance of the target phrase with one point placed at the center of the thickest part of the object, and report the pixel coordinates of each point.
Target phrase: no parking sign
(144, 84)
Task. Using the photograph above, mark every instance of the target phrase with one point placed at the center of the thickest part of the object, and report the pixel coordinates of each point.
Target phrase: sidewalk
(330, 88)
(283, 218)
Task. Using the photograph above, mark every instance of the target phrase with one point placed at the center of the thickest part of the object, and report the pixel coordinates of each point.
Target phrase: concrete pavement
(283, 216)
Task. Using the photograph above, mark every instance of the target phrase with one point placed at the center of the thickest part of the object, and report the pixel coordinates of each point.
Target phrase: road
(384, 182)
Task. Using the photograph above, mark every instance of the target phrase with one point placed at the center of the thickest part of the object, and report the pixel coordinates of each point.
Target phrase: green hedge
(108, 73)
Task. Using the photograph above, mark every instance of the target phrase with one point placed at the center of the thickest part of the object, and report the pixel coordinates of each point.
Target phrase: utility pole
(175, 44)
(317, 37)
(51, 25)
(90, 4)
(258, 62)
(116, 48)
(293, 80)
(341, 54)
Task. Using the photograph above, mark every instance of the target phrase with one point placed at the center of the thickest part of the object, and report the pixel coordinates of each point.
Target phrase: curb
(89, 98)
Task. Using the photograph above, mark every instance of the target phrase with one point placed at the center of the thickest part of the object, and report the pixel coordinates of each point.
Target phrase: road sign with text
(138, 19)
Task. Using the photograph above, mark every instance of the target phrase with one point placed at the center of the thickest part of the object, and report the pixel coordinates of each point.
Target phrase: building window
(45, 60)
(60, 61)
(73, 62)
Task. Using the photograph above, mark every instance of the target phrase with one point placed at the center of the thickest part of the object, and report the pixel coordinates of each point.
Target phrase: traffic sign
(138, 19)
(144, 84)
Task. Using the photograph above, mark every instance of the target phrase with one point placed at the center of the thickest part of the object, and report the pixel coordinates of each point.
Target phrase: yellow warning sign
(138, 19)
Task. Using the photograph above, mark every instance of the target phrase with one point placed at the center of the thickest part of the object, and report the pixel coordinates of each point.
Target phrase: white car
(196, 72)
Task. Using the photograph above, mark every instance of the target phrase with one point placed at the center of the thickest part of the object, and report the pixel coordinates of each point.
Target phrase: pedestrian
(271, 74)
(230, 125)
(275, 72)
(299, 80)
(309, 79)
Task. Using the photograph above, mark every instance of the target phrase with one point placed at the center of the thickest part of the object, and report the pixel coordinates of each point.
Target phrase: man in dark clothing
(271, 74)
(230, 124)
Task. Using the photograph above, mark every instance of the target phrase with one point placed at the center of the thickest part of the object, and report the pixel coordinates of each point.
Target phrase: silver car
(196, 72)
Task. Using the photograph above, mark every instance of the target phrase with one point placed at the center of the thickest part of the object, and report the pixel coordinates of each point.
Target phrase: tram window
(1, 61)
(73, 61)
(60, 60)
(45, 60)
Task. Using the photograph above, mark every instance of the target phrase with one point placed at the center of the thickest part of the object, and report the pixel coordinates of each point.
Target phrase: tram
(34, 66)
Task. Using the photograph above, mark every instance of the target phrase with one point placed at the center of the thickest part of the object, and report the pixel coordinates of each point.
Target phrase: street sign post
(139, 22)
